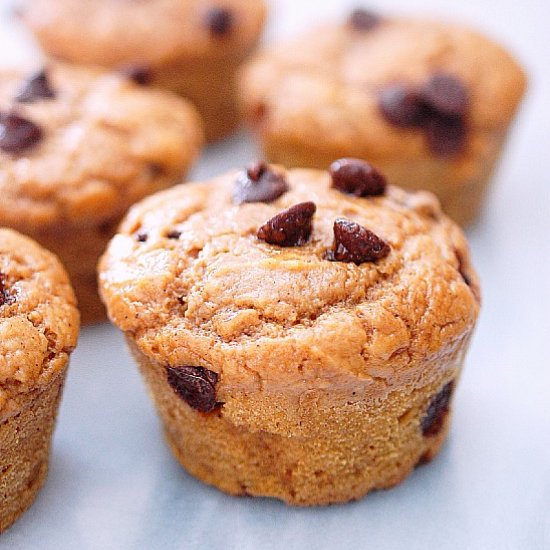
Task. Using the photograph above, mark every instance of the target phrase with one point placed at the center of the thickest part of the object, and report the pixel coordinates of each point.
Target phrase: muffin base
(25, 440)
(211, 85)
(341, 454)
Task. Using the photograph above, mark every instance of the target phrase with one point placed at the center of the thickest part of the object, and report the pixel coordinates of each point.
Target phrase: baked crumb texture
(313, 377)
(344, 91)
(38, 330)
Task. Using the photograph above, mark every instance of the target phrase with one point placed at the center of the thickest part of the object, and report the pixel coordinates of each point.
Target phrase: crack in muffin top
(188, 278)
(104, 143)
(39, 321)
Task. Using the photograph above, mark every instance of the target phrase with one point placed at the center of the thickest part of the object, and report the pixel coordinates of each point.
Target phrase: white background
(113, 483)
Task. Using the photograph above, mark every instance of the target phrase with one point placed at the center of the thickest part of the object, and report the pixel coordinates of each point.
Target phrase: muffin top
(288, 276)
(80, 146)
(38, 319)
(372, 86)
(113, 32)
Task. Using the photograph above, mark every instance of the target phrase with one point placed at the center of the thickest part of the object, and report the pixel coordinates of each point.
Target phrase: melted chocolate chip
(432, 423)
(219, 21)
(17, 133)
(290, 227)
(357, 177)
(446, 95)
(173, 234)
(140, 74)
(5, 297)
(402, 105)
(355, 243)
(364, 20)
(195, 385)
(259, 183)
(446, 136)
(35, 88)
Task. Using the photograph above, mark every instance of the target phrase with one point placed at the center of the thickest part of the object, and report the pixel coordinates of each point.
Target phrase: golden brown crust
(324, 380)
(111, 33)
(25, 440)
(106, 144)
(220, 298)
(39, 321)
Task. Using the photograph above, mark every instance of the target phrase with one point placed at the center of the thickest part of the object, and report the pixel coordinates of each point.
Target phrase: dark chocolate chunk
(138, 73)
(35, 88)
(402, 105)
(291, 227)
(364, 20)
(219, 21)
(17, 133)
(195, 385)
(355, 243)
(432, 423)
(173, 234)
(357, 177)
(259, 183)
(446, 136)
(446, 95)
(6, 297)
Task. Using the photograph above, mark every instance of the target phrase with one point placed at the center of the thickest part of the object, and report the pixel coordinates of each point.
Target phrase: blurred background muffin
(191, 47)
(428, 102)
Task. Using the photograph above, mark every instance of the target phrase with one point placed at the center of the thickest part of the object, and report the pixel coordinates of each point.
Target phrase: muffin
(190, 47)
(77, 148)
(301, 332)
(38, 331)
(429, 103)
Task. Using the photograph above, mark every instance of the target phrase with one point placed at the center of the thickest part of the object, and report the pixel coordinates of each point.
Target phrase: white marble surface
(114, 485)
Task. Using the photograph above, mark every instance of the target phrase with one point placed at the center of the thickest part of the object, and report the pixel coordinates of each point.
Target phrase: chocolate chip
(35, 88)
(432, 423)
(142, 237)
(138, 73)
(461, 269)
(173, 234)
(425, 458)
(402, 105)
(17, 133)
(446, 94)
(355, 243)
(259, 183)
(446, 136)
(357, 177)
(6, 297)
(291, 227)
(364, 20)
(195, 385)
(219, 21)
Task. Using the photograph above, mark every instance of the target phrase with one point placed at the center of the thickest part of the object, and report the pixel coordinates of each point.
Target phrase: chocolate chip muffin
(190, 47)
(300, 332)
(38, 331)
(77, 148)
(428, 102)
